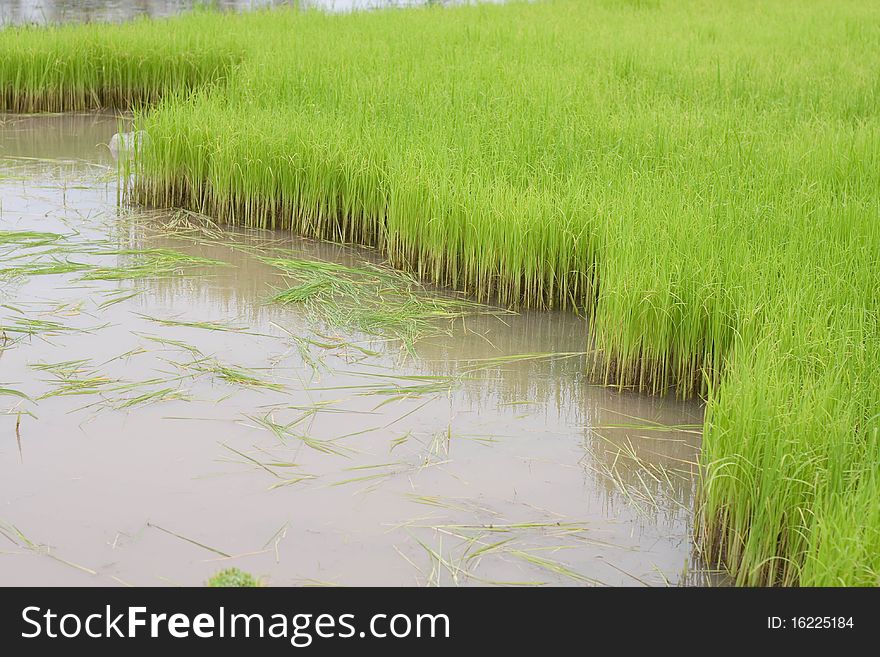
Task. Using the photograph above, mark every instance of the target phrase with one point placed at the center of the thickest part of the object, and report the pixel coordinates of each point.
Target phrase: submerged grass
(139, 264)
(699, 176)
(82, 378)
(228, 372)
(15, 535)
(513, 542)
(19, 260)
(372, 299)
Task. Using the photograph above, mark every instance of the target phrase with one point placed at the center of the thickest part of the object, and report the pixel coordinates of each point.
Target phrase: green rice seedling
(68, 68)
(292, 481)
(15, 535)
(125, 395)
(74, 379)
(463, 559)
(275, 540)
(126, 355)
(232, 374)
(382, 472)
(233, 578)
(64, 368)
(554, 566)
(646, 485)
(53, 266)
(477, 364)
(453, 505)
(150, 397)
(543, 527)
(338, 343)
(252, 460)
(304, 346)
(439, 564)
(148, 264)
(375, 300)
(111, 299)
(177, 344)
(24, 327)
(13, 393)
(484, 549)
(82, 377)
(401, 386)
(374, 478)
(18, 436)
(133, 264)
(286, 431)
(400, 440)
(27, 239)
(698, 178)
(188, 540)
(207, 325)
(307, 344)
(65, 309)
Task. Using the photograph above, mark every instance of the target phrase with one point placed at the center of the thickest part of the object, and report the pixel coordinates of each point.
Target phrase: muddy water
(457, 463)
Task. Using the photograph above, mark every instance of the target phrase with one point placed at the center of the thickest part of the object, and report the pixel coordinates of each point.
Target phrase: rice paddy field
(180, 399)
(698, 179)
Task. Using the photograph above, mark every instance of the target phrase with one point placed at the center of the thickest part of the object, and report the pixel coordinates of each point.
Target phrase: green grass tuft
(233, 578)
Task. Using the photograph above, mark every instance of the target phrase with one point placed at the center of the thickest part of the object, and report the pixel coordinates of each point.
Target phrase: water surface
(64, 11)
(459, 462)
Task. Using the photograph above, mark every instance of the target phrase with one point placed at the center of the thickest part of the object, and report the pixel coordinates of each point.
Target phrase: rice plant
(69, 68)
(699, 177)
(372, 299)
(233, 578)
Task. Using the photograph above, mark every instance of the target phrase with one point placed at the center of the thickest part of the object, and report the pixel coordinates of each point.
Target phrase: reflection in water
(644, 451)
(84, 137)
(329, 473)
(549, 347)
(65, 11)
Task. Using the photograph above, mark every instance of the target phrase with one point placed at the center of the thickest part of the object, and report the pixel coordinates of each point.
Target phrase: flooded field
(163, 418)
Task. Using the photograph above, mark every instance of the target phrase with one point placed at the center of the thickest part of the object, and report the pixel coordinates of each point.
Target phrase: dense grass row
(700, 176)
(84, 67)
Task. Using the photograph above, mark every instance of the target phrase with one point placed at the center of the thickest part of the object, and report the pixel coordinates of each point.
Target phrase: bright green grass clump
(80, 67)
(373, 299)
(703, 177)
(233, 578)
